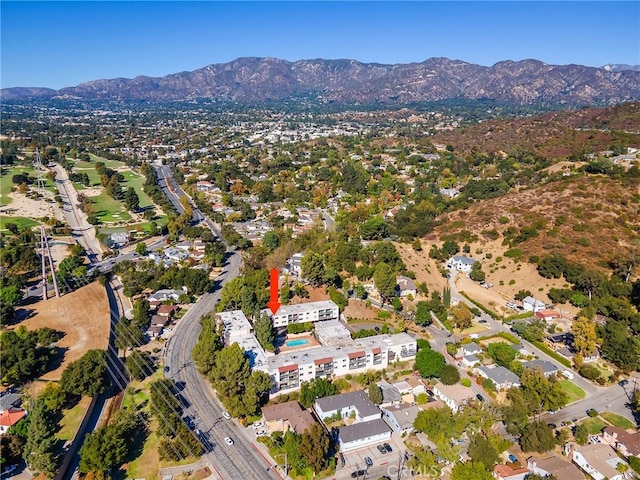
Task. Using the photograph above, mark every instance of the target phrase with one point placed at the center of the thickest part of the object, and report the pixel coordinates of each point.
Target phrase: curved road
(238, 461)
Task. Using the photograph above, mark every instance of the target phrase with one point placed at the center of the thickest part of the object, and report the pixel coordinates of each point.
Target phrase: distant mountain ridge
(253, 79)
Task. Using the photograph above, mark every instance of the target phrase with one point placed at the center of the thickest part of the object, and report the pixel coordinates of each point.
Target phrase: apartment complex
(304, 312)
(339, 354)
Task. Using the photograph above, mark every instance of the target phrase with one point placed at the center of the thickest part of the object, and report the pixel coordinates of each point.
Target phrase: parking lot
(355, 459)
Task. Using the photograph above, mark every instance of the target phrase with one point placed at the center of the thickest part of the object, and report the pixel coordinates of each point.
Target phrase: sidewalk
(189, 469)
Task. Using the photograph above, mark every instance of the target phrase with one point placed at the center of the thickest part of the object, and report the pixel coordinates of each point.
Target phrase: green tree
(256, 392)
(228, 376)
(39, 449)
(139, 365)
(265, 333)
(481, 450)
(476, 274)
(423, 314)
(374, 229)
(375, 393)
(87, 375)
(313, 268)
(450, 375)
(314, 447)
(141, 248)
(537, 437)
(131, 200)
(128, 335)
(385, 280)
(429, 363)
(316, 388)
(581, 434)
(501, 353)
(470, 471)
(271, 240)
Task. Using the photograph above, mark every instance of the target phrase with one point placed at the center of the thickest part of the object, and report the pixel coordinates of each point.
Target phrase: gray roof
(404, 413)
(500, 374)
(358, 399)
(390, 393)
(471, 359)
(359, 430)
(471, 347)
(10, 400)
(464, 260)
(545, 365)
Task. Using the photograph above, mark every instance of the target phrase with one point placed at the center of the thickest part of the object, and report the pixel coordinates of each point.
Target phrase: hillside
(588, 219)
(553, 135)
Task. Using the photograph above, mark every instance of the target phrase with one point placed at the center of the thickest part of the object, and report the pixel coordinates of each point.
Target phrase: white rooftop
(332, 332)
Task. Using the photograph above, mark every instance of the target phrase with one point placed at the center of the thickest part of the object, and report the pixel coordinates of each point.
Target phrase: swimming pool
(297, 343)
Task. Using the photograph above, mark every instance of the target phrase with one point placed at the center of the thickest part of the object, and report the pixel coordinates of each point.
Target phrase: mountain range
(252, 79)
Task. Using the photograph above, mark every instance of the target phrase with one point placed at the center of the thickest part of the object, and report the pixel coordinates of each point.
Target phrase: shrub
(590, 372)
(592, 412)
(465, 382)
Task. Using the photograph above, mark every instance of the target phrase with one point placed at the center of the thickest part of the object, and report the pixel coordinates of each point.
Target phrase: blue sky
(57, 44)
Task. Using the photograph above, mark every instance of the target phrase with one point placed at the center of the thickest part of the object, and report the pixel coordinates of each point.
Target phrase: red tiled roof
(322, 361)
(376, 350)
(10, 417)
(356, 355)
(288, 368)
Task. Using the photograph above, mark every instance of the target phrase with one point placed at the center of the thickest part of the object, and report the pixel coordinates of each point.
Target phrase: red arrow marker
(274, 298)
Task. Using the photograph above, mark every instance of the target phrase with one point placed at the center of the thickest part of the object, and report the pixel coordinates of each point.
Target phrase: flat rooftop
(333, 332)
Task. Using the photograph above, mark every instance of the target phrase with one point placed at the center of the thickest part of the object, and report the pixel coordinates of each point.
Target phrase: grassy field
(593, 425)
(108, 209)
(6, 185)
(21, 222)
(617, 420)
(136, 181)
(574, 392)
(71, 419)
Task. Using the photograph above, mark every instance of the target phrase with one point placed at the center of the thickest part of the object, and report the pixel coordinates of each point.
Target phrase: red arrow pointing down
(274, 297)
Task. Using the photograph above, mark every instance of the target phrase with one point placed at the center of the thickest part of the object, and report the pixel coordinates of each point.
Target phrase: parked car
(259, 424)
(387, 447)
(482, 320)
(381, 449)
(568, 374)
(261, 433)
(358, 473)
(513, 458)
(226, 415)
(511, 305)
(479, 397)
(368, 461)
(228, 441)
(623, 383)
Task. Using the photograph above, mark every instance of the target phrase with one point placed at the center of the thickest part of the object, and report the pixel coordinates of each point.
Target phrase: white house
(454, 396)
(471, 348)
(400, 417)
(345, 404)
(533, 305)
(362, 434)
(557, 466)
(598, 460)
(406, 286)
(502, 377)
(461, 263)
(546, 366)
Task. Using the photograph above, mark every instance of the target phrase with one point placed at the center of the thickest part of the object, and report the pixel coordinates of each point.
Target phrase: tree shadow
(55, 361)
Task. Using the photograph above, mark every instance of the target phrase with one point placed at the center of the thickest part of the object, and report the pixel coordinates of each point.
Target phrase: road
(613, 398)
(82, 230)
(174, 192)
(240, 460)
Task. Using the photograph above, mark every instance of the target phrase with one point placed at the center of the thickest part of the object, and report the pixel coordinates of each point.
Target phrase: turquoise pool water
(296, 343)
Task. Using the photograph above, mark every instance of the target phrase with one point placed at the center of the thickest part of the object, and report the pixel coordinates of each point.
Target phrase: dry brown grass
(82, 315)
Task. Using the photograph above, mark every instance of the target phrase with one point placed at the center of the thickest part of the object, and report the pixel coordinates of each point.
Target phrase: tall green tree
(316, 388)
(313, 268)
(39, 450)
(131, 200)
(375, 393)
(584, 336)
(481, 450)
(314, 447)
(385, 280)
(501, 353)
(470, 471)
(537, 437)
(265, 333)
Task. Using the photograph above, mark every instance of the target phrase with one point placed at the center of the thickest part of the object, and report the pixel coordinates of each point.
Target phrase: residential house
(294, 264)
(548, 314)
(10, 417)
(469, 361)
(161, 320)
(556, 466)
(406, 286)
(204, 186)
(166, 294)
(598, 460)
(362, 434)
(546, 366)
(461, 263)
(167, 310)
(119, 239)
(390, 393)
(154, 331)
(454, 396)
(283, 417)
(400, 417)
(507, 472)
(10, 400)
(346, 404)
(628, 444)
(468, 349)
(533, 305)
(502, 377)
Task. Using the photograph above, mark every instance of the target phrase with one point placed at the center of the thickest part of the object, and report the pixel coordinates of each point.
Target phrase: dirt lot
(82, 315)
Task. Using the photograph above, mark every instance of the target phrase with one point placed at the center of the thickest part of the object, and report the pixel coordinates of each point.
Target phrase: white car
(261, 433)
(259, 424)
(568, 374)
(228, 441)
(226, 415)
